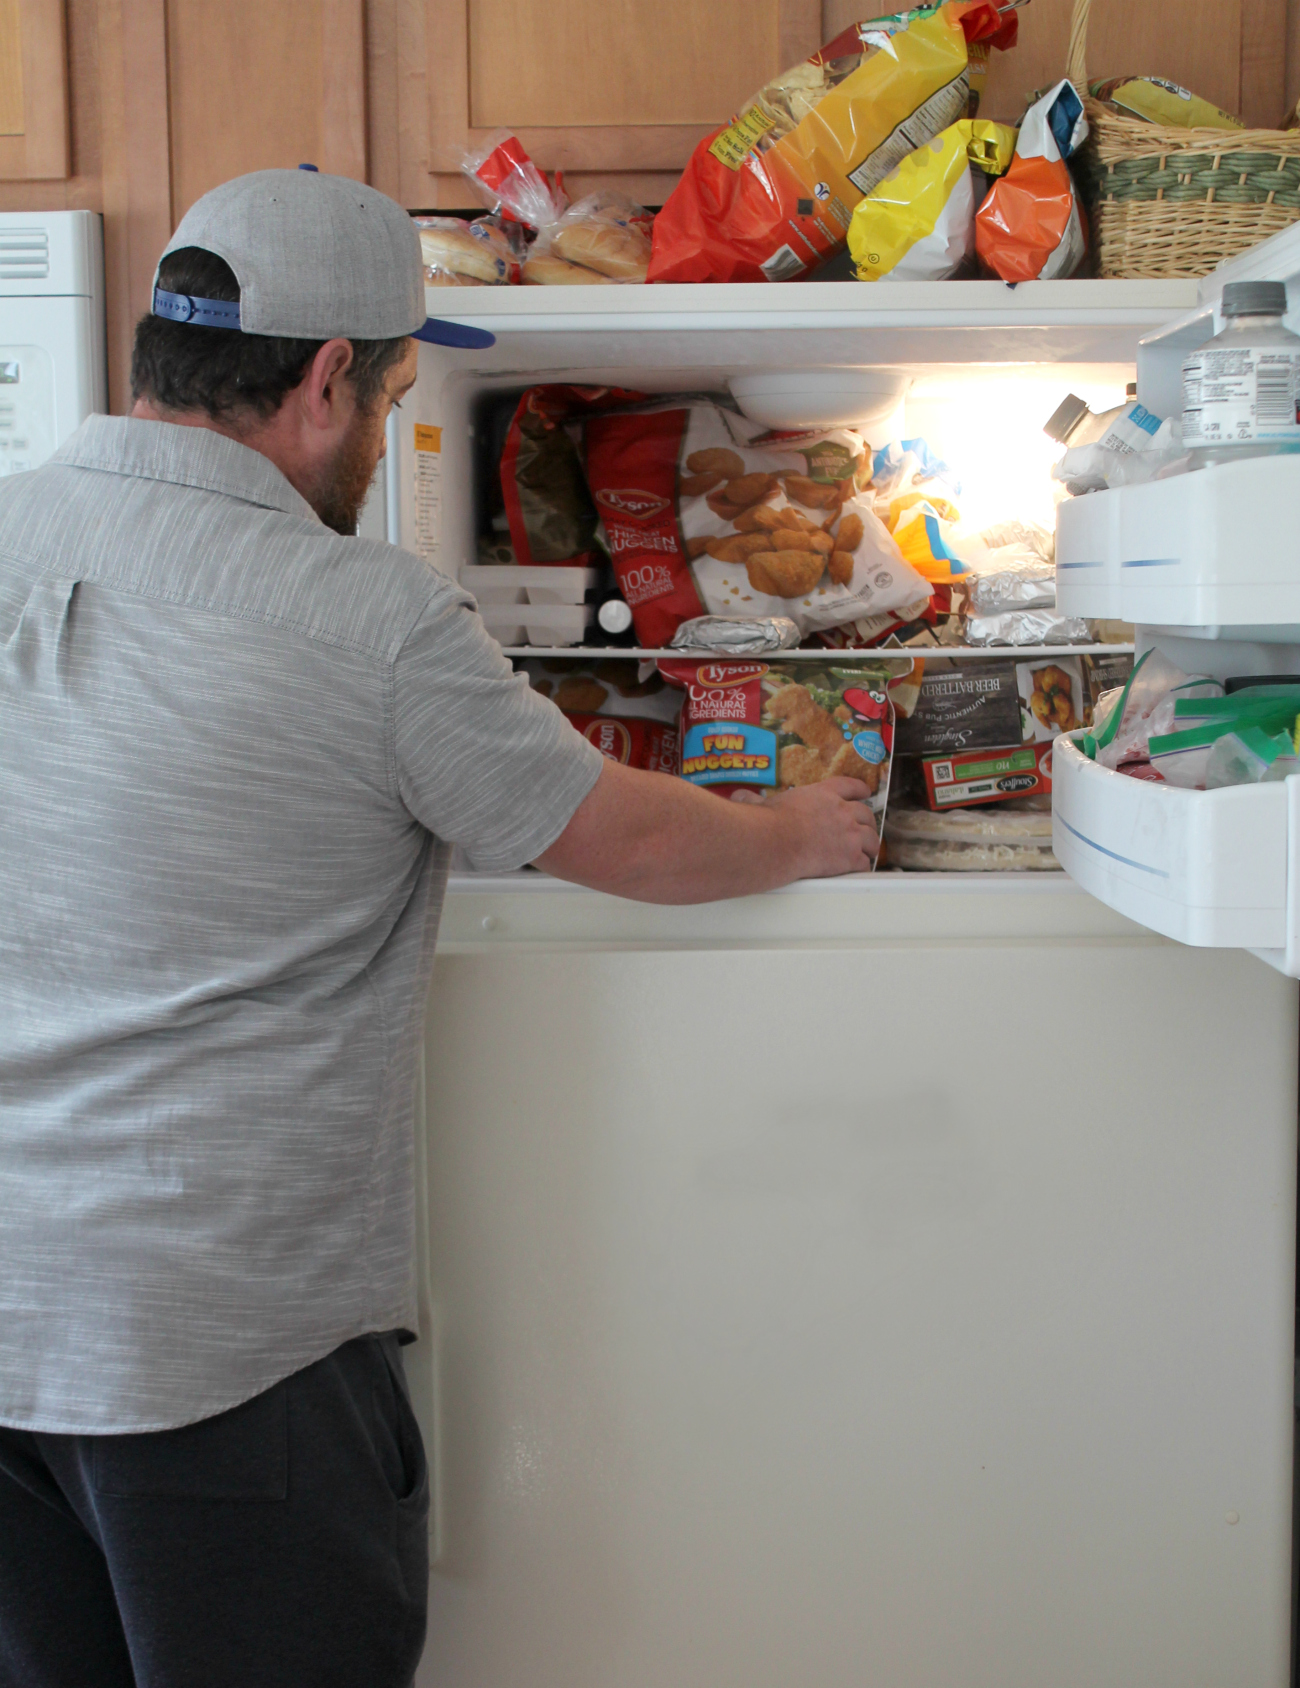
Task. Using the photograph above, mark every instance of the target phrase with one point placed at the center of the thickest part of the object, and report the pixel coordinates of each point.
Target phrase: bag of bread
(1031, 226)
(606, 234)
(707, 514)
(769, 197)
(548, 506)
(457, 253)
(756, 726)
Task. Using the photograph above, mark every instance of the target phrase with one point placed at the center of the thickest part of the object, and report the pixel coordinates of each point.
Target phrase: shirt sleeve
(482, 760)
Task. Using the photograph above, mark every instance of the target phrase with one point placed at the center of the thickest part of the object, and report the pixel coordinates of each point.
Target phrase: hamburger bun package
(705, 513)
(457, 253)
(771, 726)
(605, 232)
(769, 197)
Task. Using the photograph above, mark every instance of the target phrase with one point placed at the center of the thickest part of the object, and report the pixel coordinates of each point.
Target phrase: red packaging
(548, 506)
(971, 777)
(645, 744)
(632, 465)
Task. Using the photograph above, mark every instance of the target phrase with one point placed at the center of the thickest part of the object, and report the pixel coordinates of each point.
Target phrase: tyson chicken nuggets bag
(771, 726)
(770, 196)
(707, 514)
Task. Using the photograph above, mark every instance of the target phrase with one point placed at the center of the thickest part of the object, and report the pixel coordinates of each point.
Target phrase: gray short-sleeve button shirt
(235, 751)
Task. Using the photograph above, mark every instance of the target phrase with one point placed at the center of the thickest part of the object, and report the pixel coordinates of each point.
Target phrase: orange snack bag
(1031, 225)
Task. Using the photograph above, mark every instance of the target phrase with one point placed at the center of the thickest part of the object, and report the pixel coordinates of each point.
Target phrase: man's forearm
(662, 840)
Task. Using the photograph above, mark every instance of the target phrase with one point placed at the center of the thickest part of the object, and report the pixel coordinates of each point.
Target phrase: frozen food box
(972, 705)
(980, 776)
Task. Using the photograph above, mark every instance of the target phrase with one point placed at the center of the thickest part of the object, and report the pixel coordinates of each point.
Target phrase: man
(237, 744)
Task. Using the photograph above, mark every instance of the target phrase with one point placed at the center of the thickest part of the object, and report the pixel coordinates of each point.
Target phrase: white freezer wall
(874, 1288)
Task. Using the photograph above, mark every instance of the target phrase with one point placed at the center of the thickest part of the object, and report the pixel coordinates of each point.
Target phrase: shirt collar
(197, 457)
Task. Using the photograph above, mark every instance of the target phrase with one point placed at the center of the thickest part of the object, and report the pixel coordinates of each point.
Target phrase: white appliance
(877, 1284)
(52, 357)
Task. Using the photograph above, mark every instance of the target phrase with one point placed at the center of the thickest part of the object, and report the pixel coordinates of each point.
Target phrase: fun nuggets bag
(705, 514)
(770, 196)
(1031, 225)
(755, 726)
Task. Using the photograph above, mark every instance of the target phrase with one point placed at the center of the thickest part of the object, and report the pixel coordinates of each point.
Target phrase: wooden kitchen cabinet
(135, 107)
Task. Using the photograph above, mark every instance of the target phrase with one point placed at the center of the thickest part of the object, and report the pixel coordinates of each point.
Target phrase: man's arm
(662, 840)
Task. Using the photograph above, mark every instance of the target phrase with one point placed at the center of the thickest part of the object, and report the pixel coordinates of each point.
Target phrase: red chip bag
(769, 196)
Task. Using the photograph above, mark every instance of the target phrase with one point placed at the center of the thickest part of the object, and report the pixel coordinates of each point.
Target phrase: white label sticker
(1237, 394)
(428, 491)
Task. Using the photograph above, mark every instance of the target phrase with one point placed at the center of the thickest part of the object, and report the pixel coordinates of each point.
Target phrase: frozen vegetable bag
(770, 196)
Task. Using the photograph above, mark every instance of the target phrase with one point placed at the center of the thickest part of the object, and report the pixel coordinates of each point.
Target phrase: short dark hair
(223, 371)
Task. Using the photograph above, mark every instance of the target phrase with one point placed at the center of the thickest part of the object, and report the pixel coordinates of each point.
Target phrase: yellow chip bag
(1154, 100)
(918, 224)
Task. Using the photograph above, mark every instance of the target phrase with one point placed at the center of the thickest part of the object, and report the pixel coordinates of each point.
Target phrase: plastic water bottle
(1240, 390)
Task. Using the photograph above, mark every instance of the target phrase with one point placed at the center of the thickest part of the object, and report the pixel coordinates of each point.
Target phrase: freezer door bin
(1217, 869)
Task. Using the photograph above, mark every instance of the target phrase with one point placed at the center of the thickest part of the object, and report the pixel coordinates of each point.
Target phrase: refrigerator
(885, 1282)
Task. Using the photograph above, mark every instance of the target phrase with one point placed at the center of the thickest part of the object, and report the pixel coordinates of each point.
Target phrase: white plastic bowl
(812, 398)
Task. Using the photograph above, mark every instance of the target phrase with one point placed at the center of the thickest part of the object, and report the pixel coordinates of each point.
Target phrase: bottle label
(1234, 395)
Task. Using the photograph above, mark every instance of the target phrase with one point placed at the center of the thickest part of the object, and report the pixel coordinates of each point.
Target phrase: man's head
(317, 408)
(285, 314)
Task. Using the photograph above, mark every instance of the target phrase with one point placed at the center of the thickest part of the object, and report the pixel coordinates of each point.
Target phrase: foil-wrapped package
(736, 638)
(1027, 627)
(1018, 579)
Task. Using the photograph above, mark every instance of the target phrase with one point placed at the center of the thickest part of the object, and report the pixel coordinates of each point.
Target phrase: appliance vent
(24, 255)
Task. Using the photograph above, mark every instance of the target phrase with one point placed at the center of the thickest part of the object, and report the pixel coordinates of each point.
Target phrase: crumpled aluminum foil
(738, 638)
(1027, 627)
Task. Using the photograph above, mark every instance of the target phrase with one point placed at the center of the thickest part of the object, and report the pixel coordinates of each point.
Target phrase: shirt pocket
(242, 1454)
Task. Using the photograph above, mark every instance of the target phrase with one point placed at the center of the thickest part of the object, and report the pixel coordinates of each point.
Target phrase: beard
(344, 485)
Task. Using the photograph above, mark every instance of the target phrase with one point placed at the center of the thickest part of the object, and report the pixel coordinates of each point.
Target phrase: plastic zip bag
(1250, 756)
(1122, 730)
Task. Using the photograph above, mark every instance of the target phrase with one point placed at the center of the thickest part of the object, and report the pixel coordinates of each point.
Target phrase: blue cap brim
(438, 333)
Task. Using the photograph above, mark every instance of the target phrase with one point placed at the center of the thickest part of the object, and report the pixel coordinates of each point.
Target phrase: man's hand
(663, 840)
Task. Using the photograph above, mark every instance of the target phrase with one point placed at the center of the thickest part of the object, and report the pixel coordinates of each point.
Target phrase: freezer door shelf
(1216, 548)
(1212, 868)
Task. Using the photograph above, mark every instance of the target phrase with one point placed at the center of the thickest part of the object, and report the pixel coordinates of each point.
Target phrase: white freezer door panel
(907, 1316)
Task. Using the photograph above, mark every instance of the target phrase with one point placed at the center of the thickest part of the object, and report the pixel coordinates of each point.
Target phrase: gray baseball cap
(315, 257)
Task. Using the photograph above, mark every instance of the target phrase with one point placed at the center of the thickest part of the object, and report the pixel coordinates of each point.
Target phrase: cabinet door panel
(591, 85)
(253, 87)
(33, 91)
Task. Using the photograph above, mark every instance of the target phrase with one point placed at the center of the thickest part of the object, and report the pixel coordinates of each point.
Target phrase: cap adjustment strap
(208, 313)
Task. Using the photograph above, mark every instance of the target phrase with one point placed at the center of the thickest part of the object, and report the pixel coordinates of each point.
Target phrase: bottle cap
(614, 616)
(1254, 298)
(1065, 418)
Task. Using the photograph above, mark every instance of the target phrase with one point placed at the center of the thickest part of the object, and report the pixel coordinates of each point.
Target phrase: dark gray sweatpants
(282, 1544)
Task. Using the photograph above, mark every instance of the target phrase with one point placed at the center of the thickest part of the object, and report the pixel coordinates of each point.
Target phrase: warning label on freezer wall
(428, 490)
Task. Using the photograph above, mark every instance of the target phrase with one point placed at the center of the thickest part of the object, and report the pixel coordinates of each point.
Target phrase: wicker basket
(1176, 202)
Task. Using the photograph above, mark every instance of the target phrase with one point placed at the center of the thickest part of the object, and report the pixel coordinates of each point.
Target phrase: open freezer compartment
(978, 367)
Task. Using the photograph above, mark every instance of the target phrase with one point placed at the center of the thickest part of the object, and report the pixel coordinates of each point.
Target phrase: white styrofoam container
(1217, 548)
(1205, 867)
(537, 624)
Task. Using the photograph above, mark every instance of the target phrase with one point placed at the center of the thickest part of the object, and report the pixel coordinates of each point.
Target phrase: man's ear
(325, 397)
